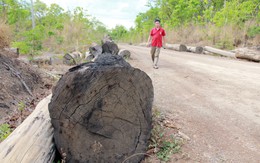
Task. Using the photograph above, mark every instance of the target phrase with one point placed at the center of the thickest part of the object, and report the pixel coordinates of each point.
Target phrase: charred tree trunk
(110, 47)
(101, 111)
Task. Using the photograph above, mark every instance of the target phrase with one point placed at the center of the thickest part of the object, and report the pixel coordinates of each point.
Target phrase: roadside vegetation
(55, 29)
(222, 23)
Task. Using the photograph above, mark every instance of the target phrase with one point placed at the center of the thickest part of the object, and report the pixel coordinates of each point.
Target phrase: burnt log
(95, 49)
(101, 112)
(110, 47)
(124, 53)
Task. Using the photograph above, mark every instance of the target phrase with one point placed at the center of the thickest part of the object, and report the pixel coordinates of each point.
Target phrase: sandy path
(215, 101)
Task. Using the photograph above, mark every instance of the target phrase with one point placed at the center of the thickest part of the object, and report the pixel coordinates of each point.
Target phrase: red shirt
(157, 35)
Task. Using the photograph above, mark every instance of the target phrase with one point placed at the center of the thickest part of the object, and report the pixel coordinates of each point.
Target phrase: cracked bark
(106, 102)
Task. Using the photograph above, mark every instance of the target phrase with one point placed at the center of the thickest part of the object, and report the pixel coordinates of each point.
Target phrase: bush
(31, 42)
(5, 131)
(253, 31)
(23, 46)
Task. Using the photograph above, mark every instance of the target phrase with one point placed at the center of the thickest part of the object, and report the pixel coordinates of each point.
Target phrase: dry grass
(226, 37)
(5, 35)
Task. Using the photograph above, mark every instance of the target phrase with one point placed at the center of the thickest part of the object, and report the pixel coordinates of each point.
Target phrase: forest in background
(55, 29)
(224, 24)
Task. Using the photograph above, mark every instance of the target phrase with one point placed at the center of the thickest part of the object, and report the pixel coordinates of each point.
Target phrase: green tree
(118, 32)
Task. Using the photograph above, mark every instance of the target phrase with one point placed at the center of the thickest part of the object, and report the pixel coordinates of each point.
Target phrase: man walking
(157, 35)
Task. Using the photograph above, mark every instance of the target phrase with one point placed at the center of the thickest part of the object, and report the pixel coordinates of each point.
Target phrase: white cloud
(111, 13)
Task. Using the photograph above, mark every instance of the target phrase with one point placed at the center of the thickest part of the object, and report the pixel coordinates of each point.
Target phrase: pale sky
(110, 12)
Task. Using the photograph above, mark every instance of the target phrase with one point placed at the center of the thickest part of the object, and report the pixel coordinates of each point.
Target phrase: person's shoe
(155, 66)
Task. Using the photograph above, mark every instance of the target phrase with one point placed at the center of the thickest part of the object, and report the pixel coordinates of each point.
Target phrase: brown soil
(13, 94)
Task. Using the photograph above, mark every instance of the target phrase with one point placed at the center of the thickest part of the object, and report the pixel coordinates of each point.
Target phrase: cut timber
(197, 49)
(101, 111)
(177, 47)
(124, 53)
(248, 54)
(107, 38)
(89, 57)
(110, 47)
(32, 141)
(220, 52)
(72, 58)
(68, 59)
(95, 49)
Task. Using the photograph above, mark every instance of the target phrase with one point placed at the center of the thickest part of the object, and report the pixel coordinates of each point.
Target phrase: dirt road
(215, 101)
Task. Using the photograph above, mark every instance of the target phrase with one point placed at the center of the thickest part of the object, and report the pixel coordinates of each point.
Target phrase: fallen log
(107, 38)
(72, 58)
(101, 111)
(220, 52)
(251, 55)
(95, 49)
(124, 53)
(197, 49)
(32, 141)
(110, 47)
(68, 59)
(177, 47)
(89, 57)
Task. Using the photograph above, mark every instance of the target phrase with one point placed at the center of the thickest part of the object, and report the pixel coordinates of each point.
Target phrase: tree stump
(101, 112)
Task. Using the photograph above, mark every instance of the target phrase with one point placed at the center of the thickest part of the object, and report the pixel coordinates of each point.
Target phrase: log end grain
(124, 53)
(101, 111)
